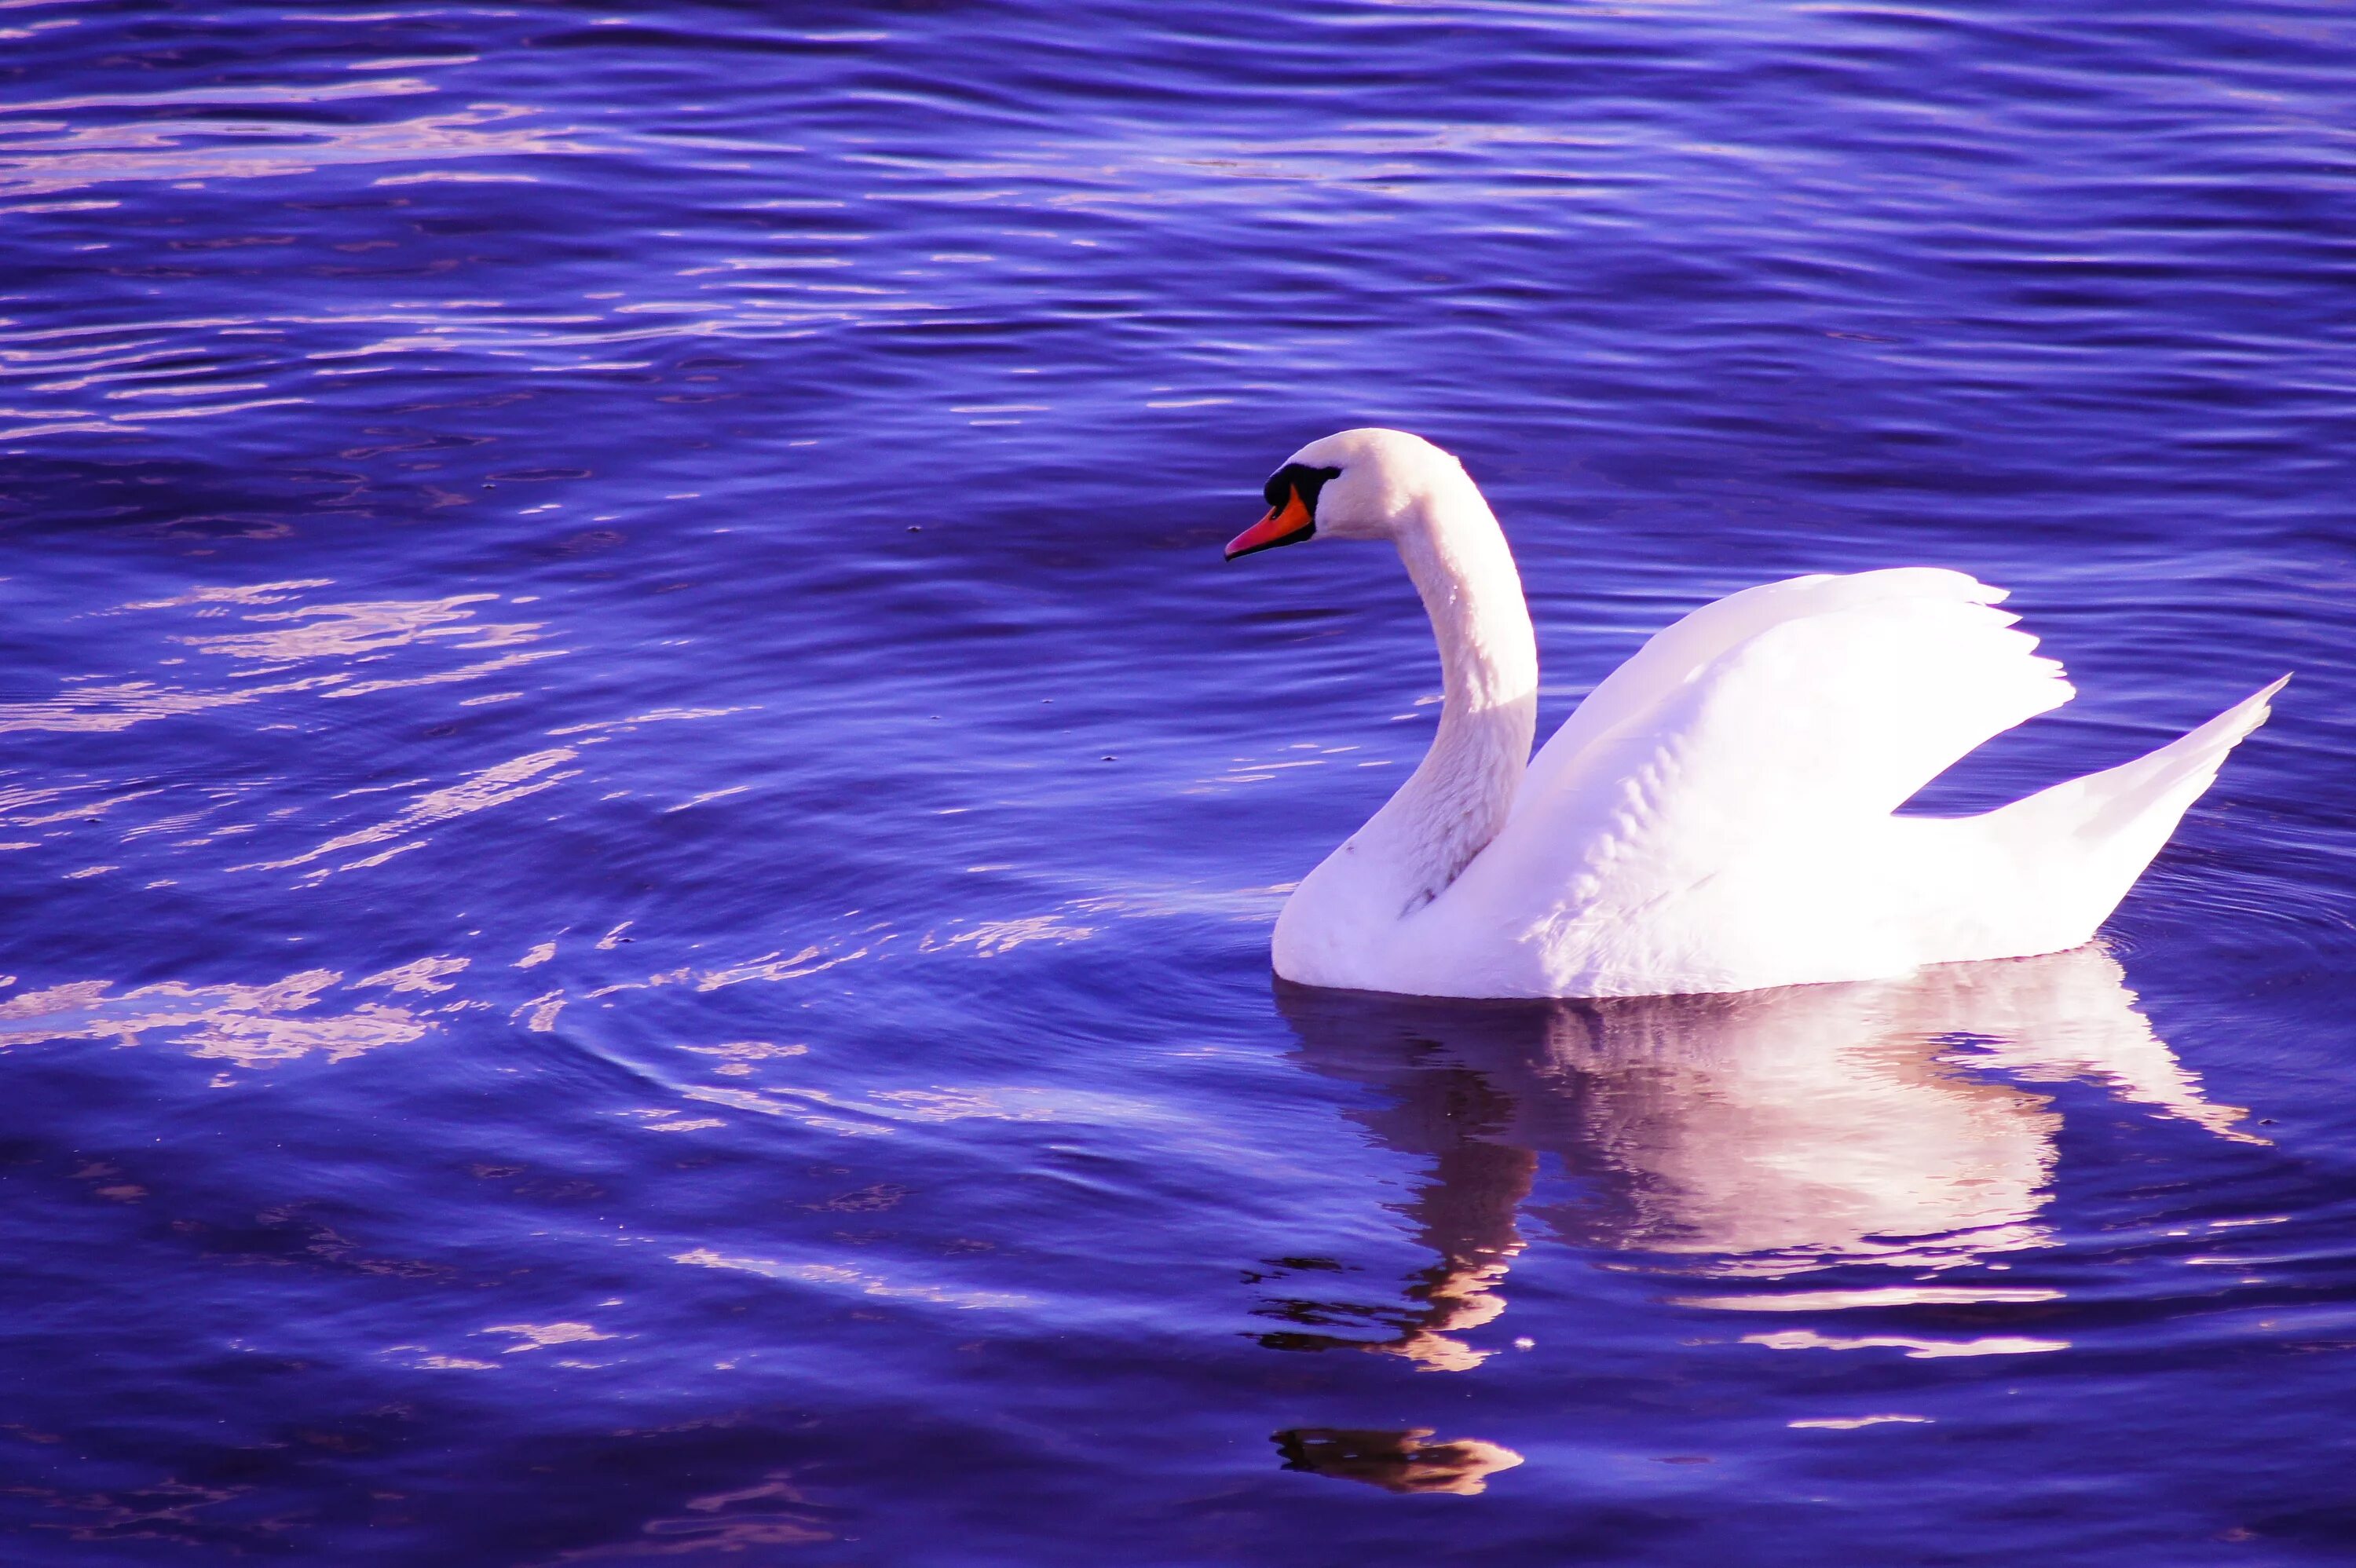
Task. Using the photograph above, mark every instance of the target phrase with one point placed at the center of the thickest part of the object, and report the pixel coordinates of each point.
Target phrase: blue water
(641, 822)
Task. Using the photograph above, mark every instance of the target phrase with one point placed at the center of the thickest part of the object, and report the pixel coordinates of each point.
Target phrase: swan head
(1358, 485)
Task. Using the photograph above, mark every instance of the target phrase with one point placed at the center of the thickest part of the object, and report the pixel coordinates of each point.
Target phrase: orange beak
(1288, 524)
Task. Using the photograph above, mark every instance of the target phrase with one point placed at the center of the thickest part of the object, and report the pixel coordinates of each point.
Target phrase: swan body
(1719, 814)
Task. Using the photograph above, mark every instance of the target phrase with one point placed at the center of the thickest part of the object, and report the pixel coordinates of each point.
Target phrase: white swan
(1719, 814)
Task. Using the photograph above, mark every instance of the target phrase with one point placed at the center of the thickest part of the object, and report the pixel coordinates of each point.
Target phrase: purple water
(641, 822)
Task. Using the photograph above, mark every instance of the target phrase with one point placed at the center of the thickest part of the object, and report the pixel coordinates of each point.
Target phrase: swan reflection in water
(1757, 1135)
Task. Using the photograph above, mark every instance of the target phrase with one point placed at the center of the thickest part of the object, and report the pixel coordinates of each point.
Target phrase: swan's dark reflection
(1761, 1135)
(1396, 1461)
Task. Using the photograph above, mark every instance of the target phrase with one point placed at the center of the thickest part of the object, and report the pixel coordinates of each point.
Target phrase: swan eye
(1297, 479)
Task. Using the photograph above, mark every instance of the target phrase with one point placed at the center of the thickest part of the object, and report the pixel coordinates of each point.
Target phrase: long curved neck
(1460, 794)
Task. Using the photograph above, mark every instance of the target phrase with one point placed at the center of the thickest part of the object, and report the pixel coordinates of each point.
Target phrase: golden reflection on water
(218, 144)
(774, 1512)
(105, 706)
(267, 644)
(1752, 1137)
(274, 644)
(266, 1024)
(842, 1276)
(341, 631)
(250, 1026)
(496, 785)
(1396, 1461)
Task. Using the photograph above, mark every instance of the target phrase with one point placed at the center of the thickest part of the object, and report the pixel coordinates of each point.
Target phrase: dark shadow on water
(1754, 1137)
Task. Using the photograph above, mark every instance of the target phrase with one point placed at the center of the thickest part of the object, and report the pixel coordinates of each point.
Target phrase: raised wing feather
(1771, 729)
(1674, 657)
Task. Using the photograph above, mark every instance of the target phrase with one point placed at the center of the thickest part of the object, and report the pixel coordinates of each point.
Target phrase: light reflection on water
(641, 824)
(1765, 1136)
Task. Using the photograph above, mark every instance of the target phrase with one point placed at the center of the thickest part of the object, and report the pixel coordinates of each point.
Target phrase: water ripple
(643, 823)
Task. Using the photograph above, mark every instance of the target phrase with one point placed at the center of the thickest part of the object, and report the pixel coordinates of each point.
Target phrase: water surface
(641, 822)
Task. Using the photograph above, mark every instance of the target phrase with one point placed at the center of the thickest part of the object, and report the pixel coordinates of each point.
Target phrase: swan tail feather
(2088, 839)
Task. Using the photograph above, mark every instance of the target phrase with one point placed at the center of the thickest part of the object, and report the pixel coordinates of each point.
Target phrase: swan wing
(1674, 658)
(1731, 780)
(1795, 702)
